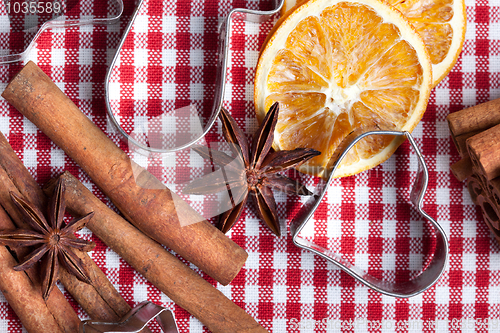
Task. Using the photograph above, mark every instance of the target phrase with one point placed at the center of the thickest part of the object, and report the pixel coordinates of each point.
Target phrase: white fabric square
(389, 195)
(469, 262)
(494, 30)
(307, 294)
(196, 92)
(141, 24)
(197, 25)
(141, 57)
(252, 227)
(85, 90)
(389, 228)
(251, 57)
(468, 64)
(362, 229)
(469, 295)
(494, 295)
(4, 125)
(443, 196)
(252, 294)
(443, 162)
(196, 58)
(30, 158)
(253, 260)
(442, 96)
(112, 260)
(279, 293)
(195, 326)
(85, 56)
(279, 325)
(58, 57)
(361, 295)
(307, 260)
(416, 261)
(442, 295)
(469, 229)
(362, 195)
(362, 260)
(169, 57)
(140, 91)
(168, 91)
(389, 261)
(334, 195)
(57, 157)
(140, 292)
(169, 25)
(280, 260)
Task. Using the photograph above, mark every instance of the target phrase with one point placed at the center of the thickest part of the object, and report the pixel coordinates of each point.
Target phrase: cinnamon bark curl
(142, 198)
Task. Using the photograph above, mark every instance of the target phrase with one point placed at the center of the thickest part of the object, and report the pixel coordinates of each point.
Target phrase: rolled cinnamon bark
(18, 174)
(474, 119)
(12, 170)
(488, 219)
(99, 299)
(484, 151)
(475, 188)
(461, 142)
(462, 169)
(494, 191)
(143, 199)
(23, 297)
(489, 212)
(186, 288)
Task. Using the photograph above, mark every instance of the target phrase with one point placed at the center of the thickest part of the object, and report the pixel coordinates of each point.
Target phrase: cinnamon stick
(23, 296)
(100, 299)
(474, 119)
(57, 304)
(460, 142)
(462, 169)
(489, 213)
(143, 199)
(475, 188)
(484, 151)
(186, 288)
(494, 191)
(488, 222)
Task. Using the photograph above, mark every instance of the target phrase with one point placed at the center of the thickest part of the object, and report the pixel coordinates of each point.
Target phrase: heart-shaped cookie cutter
(428, 277)
(55, 22)
(243, 14)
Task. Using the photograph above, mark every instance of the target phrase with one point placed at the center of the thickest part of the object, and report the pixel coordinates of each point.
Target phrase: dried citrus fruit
(441, 23)
(338, 66)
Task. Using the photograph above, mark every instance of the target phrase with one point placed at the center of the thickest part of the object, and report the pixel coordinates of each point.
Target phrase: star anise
(253, 173)
(54, 242)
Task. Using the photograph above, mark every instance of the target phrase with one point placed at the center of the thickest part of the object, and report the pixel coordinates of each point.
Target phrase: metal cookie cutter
(136, 320)
(241, 14)
(23, 17)
(422, 282)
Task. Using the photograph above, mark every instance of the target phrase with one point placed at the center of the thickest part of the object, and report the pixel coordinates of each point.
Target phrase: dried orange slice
(338, 66)
(441, 23)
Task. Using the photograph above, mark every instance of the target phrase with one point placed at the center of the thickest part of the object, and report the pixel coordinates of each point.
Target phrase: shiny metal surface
(220, 83)
(137, 319)
(407, 289)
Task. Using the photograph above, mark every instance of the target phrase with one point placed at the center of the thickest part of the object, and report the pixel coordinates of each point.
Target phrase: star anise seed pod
(254, 172)
(54, 242)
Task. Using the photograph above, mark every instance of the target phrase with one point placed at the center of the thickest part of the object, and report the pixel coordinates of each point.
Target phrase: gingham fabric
(169, 62)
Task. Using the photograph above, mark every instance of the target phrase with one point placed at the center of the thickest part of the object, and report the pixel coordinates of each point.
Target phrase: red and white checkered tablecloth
(169, 62)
